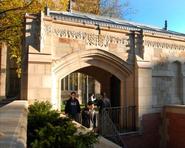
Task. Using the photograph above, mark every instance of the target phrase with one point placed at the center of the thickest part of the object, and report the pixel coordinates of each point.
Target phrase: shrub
(46, 129)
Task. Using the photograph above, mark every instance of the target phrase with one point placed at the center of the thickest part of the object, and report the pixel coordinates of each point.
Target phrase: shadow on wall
(33, 33)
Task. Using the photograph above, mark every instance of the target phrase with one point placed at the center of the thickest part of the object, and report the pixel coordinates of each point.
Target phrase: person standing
(104, 102)
(89, 117)
(92, 98)
(72, 107)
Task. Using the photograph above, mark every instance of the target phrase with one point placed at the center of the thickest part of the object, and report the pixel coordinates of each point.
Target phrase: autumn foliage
(12, 14)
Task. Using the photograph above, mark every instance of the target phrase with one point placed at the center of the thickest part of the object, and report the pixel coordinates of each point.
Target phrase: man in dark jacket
(89, 116)
(104, 102)
(72, 108)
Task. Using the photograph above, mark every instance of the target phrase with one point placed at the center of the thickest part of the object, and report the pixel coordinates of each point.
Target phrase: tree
(86, 6)
(46, 129)
(12, 14)
(115, 8)
(110, 8)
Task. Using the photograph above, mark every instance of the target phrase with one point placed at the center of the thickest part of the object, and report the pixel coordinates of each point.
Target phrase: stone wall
(173, 127)
(65, 38)
(149, 135)
(159, 71)
(167, 62)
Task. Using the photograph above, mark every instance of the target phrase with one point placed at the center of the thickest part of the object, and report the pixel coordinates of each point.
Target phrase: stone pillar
(39, 77)
(97, 87)
(129, 86)
(87, 88)
(183, 85)
(36, 82)
(36, 79)
(3, 61)
(123, 93)
(143, 88)
(127, 102)
(55, 88)
(123, 102)
(79, 88)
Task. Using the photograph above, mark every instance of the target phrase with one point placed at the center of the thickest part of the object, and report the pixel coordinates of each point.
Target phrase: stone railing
(104, 143)
(13, 125)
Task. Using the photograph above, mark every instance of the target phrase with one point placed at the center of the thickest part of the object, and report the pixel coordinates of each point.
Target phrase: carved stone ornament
(163, 45)
(89, 38)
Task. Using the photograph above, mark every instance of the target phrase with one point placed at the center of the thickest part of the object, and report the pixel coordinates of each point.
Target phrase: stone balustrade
(13, 125)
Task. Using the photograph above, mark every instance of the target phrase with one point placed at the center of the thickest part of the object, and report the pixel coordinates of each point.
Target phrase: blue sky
(155, 12)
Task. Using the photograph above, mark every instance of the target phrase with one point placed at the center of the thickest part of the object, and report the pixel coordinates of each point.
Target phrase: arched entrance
(91, 80)
(107, 83)
(93, 59)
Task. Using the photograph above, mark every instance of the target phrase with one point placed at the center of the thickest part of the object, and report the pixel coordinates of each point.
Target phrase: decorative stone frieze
(156, 44)
(90, 39)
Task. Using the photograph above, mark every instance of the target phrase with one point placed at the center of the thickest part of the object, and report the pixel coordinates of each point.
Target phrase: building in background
(84, 85)
(9, 82)
(138, 66)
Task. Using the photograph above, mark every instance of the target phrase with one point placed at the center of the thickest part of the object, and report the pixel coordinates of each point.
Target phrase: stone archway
(92, 57)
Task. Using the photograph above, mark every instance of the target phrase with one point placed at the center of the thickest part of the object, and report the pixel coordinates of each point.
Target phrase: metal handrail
(124, 118)
(109, 130)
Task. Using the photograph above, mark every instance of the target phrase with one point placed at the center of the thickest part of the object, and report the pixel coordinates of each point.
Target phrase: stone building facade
(137, 65)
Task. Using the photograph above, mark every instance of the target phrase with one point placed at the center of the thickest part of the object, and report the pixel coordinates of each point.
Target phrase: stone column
(97, 87)
(39, 78)
(123, 102)
(79, 87)
(143, 88)
(87, 88)
(3, 61)
(183, 84)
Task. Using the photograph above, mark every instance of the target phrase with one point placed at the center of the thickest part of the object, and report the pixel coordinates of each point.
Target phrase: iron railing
(108, 129)
(113, 121)
(124, 118)
(116, 120)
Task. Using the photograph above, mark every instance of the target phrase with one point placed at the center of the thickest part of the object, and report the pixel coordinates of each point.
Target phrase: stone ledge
(13, 124)
(175, 108)
(103, 142)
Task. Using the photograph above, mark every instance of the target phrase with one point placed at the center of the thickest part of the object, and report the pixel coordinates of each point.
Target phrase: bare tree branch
(8, 27)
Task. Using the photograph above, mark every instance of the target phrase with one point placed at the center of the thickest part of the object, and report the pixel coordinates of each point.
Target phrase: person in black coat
(89, 117)
(104, 102)
(72, 107)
